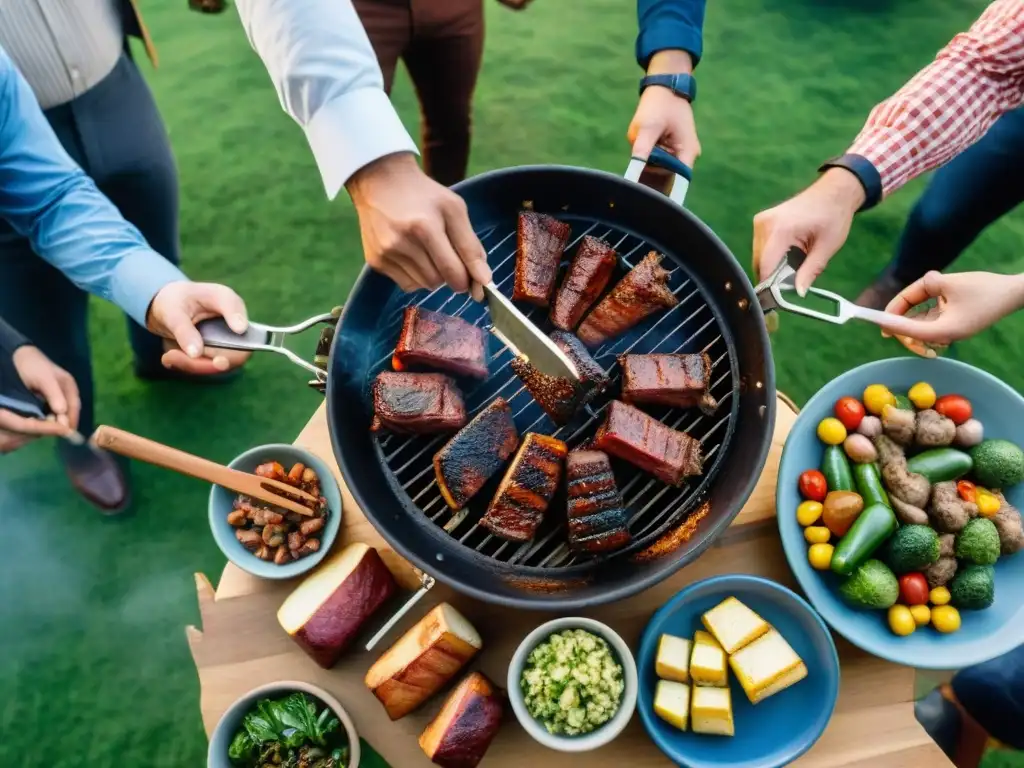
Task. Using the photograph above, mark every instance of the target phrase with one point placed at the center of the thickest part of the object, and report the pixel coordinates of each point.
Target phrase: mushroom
(1008, 523)
(934, 430)
(908, 514)
(949, 513)
(900, 426)
(941, 572)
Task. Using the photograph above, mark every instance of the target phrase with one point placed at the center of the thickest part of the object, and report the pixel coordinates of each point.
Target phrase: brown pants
(441, 43)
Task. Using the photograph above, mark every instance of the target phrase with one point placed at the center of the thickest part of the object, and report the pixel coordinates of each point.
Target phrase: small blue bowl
(779, 729)
(222, 499)
(983, 635)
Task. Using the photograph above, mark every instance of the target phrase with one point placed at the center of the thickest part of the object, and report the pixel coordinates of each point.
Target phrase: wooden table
(241, 646)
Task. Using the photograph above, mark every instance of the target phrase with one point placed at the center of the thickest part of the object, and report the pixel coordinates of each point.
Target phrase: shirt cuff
(667, 37)
(138, 278)
(351, 132)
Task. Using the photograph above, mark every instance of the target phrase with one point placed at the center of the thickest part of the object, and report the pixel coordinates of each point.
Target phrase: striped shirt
(62, 47)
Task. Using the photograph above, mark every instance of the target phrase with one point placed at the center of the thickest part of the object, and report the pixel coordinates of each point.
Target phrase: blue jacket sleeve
(47, 198)
(669, 24)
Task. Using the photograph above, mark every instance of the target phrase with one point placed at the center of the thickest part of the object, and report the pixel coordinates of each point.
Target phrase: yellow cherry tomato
(831, 431)
(946, 618)
(817, 534)
(820, 556)
(922, 395)
(901, 620)
(809, 512)
(876, 397)
(987, 503)
(922, 614)
(939, 596)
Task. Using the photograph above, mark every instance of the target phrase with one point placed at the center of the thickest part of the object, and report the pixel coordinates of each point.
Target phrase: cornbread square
(707, 665)
(711, 711)
(700, 636)
(733, 624)
(673, 659)
(766, 666)
(672, 703)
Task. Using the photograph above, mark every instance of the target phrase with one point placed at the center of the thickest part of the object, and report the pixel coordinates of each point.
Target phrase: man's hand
(414, 230)
(817, 220)
(174, 313)
(661, 117)
(515, 5)
(55, 385)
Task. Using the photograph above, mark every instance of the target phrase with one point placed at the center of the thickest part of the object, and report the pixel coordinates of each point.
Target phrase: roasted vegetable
(870, 530)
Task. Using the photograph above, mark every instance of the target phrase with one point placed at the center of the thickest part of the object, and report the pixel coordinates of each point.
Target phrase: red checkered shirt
(952, 102)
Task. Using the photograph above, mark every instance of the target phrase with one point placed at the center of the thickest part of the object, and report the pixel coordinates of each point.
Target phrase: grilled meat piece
(540, 242)
(527, 489)
(562, 398)
(441, 341)
(586, 365)
(681, 381)
(589, 272)
(638, 295)
(475, 453)
(597, 517)
(632, 435)
(464, 728)
(417, 403)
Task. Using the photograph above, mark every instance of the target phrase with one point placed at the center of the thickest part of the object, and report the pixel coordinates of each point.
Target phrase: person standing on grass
(944, 109)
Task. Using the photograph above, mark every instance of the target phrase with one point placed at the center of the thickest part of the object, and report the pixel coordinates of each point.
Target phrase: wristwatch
(866, 174)
(681, 84)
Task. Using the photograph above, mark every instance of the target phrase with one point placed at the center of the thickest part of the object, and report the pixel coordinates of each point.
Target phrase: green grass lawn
(96, 670)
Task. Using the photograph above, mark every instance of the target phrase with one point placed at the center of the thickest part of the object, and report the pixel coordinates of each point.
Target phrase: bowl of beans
(265, 540)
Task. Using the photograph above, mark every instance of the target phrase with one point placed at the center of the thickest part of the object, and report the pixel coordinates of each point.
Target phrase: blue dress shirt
(50, 200)
(669, 25)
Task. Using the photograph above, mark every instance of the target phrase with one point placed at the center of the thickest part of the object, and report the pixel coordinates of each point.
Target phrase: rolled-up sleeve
(327, 78)
(669, 25)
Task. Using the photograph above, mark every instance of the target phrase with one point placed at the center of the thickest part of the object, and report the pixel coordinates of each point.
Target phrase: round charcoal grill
(654, 507)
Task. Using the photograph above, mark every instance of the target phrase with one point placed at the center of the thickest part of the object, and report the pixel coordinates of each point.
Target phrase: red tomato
(914, 589)
(850, 411)
(966, 490)
(954, 407)
(813, 486)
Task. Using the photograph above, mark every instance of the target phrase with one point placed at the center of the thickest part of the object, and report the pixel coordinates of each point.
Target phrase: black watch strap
(683, 85)
(866, 174)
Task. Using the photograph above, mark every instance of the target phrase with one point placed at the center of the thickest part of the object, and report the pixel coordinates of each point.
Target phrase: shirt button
(75, 74)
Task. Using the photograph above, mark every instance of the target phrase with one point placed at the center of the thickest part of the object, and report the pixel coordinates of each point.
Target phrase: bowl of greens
(288, 724)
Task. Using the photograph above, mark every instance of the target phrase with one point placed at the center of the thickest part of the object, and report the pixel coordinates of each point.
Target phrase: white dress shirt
(328, 80)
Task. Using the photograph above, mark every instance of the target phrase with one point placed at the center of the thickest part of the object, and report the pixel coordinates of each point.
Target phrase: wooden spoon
(140, 448)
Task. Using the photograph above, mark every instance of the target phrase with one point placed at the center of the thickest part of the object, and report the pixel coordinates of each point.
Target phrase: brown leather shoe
(878, 295)
(97, 476)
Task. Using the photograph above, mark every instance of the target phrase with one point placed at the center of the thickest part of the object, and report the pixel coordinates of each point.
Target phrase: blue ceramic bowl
(221, 500)
(983, 634)
(777, 730)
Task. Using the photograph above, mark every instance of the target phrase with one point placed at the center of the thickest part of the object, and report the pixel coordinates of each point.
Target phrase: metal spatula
(525, 339)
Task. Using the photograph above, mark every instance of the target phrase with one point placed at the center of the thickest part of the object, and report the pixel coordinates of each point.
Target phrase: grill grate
(690, 326)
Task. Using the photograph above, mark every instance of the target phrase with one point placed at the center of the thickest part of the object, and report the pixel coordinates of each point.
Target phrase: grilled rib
(441, 341)
(417, 403)
(475, 453)
(540, 242)
(586, 365)
(681, 381)
(589, 272)
(562, 398)
(642, 440)
(638, 295)
(597, 517)
(527, 489)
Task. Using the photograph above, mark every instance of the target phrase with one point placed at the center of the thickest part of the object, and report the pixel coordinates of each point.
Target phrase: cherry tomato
(876, 397)
(966, 490)
(831, 431)
(901, 620)
(850, 411)
(954, 407)
(813, 486)
(913, 589)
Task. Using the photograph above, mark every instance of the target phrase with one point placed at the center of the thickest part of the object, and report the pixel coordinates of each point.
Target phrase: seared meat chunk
(417, 403)
(540, 242)
(638, 295)
(437, 340)
(475, 453)
(527, 489)
(589, 272)
(586, 365)
(562, 398)
(681, 381)
(598, 520)
(632, 435)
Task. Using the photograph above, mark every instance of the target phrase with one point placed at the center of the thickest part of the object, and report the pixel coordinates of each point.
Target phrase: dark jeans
(964, 196)
(115, 133)
(993, 694)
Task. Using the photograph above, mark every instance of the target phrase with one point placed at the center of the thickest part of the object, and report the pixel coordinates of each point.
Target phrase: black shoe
(157, 372)
(98, 476)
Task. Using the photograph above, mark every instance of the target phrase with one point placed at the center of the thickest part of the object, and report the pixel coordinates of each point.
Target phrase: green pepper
(836, 469)
(869, 531)
(869, 484)
(940, 464)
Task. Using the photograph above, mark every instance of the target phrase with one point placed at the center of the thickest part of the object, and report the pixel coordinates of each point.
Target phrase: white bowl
(606, 732)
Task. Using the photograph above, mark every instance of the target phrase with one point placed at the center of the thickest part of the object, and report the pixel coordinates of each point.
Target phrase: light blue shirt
(47, 198)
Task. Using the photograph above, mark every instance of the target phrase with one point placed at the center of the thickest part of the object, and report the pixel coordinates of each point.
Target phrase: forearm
(327, 78)
(669, 25)
(951, 103)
